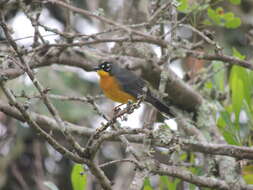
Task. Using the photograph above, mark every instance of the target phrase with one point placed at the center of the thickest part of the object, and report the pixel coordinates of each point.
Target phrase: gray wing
(131, 83)
(134, 85)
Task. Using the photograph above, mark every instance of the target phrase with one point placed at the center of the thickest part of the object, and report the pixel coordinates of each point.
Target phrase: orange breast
(112, 89)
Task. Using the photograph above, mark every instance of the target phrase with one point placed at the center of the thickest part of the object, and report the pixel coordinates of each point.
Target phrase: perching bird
(122, 85)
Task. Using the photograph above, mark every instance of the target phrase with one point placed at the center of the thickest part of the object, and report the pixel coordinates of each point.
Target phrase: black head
(109, 68)
(105, 66)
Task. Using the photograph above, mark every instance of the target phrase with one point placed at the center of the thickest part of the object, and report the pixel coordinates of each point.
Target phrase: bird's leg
(130, 106)
(116, 109)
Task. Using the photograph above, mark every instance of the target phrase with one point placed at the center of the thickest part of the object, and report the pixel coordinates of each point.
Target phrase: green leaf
(221, 123)
(173, 184)
(164, 182)
(237, 89)
(50, 185)
(247, 172)
(209, 85)
(244, 75)
(228, 16)
(225, 116)
(228, 130)
(168, 183)
(202, 7)
(213, 15)
(192, 186)
(78, 178)
(207, 22)
(219, 11)
(249, 113)
(219, 77)
(235, 2)
(183, 6)
(183, 156)
(233, 23)
(147, 184)
(220, 18)
(239, 83)
(237, 54)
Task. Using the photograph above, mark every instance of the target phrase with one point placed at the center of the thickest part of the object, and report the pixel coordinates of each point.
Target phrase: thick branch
(182, 95)
(187, 145)
(223, 58)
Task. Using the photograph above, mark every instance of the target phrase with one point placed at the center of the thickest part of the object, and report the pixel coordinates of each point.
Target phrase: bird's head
(104, 69)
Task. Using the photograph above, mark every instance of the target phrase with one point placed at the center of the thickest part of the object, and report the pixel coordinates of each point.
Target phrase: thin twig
(43, 92)
(110, 22)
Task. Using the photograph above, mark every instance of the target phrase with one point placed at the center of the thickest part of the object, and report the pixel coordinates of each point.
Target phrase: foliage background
(221, 93)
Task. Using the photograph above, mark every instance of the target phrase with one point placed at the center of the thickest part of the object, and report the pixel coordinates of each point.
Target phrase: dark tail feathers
(162, 107)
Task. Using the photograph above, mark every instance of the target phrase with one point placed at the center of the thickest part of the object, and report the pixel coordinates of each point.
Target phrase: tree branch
(221, 57)
(239, 152)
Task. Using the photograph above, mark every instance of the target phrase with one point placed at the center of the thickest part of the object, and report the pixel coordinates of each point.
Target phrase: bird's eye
(106, 66)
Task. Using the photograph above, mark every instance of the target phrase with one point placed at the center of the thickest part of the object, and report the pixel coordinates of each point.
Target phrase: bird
(122, 85)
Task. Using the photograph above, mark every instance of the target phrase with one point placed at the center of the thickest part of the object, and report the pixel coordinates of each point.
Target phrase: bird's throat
(102, 73)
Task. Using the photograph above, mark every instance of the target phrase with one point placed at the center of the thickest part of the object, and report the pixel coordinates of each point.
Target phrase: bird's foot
(117, 108)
